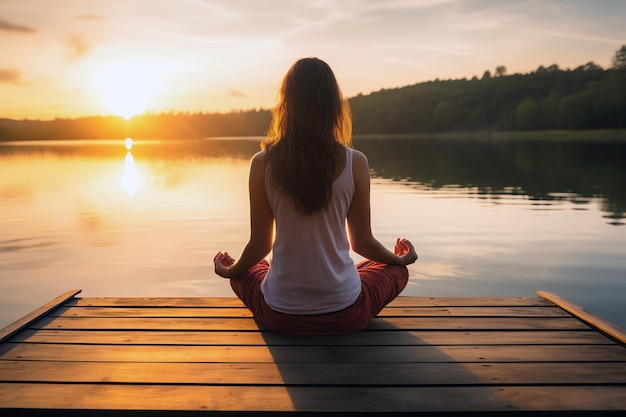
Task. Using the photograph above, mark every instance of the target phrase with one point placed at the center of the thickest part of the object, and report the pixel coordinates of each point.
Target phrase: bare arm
(359, 222)
(261, 226)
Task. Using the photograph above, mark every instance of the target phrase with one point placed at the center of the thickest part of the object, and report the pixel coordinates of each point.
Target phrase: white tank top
(311, 271)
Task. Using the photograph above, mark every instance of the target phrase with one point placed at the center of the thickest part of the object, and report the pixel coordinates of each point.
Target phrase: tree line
(587, 97)
(148, 125)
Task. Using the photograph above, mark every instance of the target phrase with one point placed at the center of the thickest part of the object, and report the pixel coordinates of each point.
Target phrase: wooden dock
(420, 356)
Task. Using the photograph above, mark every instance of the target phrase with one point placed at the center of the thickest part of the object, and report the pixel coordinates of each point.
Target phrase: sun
(128, 87)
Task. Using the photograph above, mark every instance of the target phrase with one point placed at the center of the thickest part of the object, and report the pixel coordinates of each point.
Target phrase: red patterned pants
(380, 284)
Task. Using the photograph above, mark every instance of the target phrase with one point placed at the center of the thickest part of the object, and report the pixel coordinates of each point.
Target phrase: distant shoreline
(597, 134)
(618, 135)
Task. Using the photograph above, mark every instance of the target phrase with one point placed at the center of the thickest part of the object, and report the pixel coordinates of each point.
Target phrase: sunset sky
(70, 58)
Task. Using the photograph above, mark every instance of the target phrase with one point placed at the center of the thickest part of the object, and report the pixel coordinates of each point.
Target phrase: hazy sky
(71, 58)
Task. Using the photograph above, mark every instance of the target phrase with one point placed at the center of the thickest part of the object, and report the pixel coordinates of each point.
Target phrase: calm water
(488, 218)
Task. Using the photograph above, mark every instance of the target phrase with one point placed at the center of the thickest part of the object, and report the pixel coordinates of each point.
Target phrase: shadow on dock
(375, 370)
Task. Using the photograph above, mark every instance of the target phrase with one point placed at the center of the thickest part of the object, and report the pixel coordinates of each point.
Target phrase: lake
(489, 217)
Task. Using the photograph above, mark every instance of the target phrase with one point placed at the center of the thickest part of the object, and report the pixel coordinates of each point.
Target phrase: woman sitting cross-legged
(309, 182)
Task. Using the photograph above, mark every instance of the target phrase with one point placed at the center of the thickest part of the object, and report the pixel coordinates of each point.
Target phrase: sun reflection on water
(130, 178)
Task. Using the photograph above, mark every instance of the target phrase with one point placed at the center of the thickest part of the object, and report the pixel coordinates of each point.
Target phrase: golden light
(130, 178)
(128, 87)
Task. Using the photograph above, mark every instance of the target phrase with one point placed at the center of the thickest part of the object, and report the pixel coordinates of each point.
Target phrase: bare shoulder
(360, 170)
(258, 161)
(259, 156)
(359, 160)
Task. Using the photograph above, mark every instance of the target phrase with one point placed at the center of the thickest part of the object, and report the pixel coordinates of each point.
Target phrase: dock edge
(591, 319)
(19, 324)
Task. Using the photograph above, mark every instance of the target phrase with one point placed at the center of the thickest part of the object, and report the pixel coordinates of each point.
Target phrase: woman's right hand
(405, 250)
(223, 262)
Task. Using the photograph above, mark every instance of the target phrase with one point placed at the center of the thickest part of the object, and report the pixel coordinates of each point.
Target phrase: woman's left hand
(405, 250)
(222, 262)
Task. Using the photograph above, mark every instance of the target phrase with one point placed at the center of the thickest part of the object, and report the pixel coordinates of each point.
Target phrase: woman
(309, 181)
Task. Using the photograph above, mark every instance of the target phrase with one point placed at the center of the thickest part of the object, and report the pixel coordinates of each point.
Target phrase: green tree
(550, 111)
(589, 66)
(619, 59)
(527, 114)
(443, 115)
(552, 68)
(574, 111)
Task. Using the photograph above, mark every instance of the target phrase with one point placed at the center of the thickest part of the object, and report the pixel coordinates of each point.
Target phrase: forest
(587, 97)
(548, 98)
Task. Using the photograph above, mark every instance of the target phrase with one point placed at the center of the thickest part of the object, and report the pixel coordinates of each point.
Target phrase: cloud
(89, 16)
(236, 93)
(12, 27)
(77, 47)
(580, 36)
(9, 76)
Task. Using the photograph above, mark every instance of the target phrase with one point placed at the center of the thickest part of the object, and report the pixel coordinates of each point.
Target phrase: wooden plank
(152, 312)
(299, 374)
(495, 311)
(406, 301)
(311, 399)
(121, 311)
(16, 326)
(207, 302)
(313, 354)
(363, 338)
(402, 301)
(133, 323)
(248, 324)
(475, 323)
(588, 317)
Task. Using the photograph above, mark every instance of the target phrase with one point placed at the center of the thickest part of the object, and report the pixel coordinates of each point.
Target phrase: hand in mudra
(406, 251)
(222, 262)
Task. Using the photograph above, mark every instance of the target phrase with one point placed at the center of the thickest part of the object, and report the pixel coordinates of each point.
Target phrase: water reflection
(130, 179)
(543, 172)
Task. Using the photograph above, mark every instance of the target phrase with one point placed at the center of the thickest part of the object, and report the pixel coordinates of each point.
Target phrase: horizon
(89, 58)
(150, 112)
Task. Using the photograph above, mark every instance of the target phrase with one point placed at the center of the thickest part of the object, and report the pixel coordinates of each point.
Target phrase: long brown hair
(311, 124)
